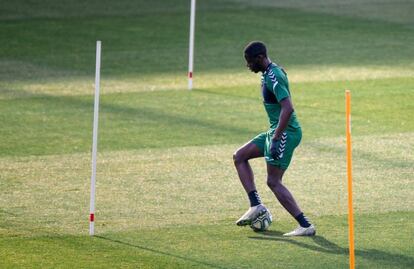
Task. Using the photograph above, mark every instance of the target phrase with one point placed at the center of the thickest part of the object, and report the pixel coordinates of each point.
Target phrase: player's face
(253, 63)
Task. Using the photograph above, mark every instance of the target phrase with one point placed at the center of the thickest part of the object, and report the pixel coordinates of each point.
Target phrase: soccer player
(276, 145)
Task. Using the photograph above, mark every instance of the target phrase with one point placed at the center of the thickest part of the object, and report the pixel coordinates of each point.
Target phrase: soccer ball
(262, 222)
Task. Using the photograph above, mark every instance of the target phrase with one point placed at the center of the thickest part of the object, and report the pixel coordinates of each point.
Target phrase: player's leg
(283, 195)
(286, 199)
(276, 167)
(241, 159)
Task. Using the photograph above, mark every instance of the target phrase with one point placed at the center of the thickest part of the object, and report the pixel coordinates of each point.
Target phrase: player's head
(255, 53)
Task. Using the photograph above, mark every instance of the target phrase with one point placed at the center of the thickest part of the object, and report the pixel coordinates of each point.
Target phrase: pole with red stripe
(95, 138)
(191, 45)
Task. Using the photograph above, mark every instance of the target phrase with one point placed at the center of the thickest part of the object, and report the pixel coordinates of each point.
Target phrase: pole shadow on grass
(324, 245)
(160, 252)
(131, 112)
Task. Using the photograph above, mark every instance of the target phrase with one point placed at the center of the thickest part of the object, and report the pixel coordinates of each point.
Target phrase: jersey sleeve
(277, 86)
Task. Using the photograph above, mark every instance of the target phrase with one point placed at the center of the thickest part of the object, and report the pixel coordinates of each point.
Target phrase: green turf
(46, 124)
(167, 193)
(130, 48)
(131, 197)
(222, 246)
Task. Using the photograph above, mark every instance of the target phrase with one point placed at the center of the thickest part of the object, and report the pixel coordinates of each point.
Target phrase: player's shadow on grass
(326, 246)
(160, 252)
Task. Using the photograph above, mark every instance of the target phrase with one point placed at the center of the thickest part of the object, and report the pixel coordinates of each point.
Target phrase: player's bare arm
(285, 113)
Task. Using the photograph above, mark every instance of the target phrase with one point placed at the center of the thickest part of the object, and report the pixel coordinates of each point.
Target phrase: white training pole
(95, 139)
(191, 56)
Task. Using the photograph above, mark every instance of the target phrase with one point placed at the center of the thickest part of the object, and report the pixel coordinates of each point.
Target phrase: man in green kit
(276, 145)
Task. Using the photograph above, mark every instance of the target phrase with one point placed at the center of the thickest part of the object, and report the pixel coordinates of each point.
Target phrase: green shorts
(263, 142)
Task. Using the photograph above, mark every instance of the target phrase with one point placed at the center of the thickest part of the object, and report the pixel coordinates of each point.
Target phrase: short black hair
(255, 48)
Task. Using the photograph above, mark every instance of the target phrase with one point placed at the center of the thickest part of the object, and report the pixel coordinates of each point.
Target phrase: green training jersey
(275, 88)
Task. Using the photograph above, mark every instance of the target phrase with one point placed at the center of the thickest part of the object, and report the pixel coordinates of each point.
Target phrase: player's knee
(237, 157)
(273, 183)
(270, 183)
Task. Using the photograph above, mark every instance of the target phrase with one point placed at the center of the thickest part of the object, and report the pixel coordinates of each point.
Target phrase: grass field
(167, 192)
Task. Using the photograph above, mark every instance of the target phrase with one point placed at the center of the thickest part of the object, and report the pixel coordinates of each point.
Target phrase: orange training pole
(349, 169)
